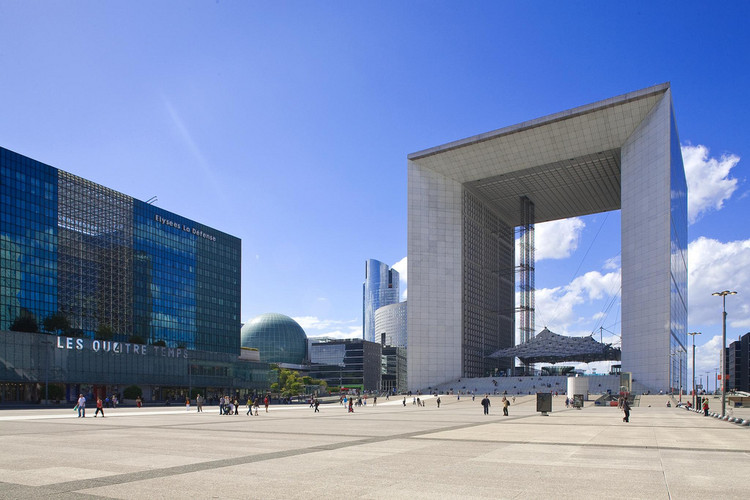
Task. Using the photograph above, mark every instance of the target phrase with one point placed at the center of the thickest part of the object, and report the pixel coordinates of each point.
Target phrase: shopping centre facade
(147, 297)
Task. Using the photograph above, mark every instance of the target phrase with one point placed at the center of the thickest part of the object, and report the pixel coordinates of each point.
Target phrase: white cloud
(613, 263)
(557, 305)
(401, 266)
(709, 184)
(706, 360)
(714, 266)
(338, 329)
(557, 239)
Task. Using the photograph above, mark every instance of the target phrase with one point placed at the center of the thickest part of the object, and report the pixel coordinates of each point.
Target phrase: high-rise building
(379, 289)
(466, 197)
(738, 364)
(348, 363)
(390, 325)
(113, 276)
(108, 261)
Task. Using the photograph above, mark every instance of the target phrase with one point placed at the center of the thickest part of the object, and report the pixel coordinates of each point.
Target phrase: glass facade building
(390, 325)
(380, 288)
(678, 271)
(278, 338)
(393, 370)
(119, 270)
(349, 363)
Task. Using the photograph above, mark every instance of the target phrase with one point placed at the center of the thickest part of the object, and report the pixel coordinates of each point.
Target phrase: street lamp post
(693, 334)
(723, 365)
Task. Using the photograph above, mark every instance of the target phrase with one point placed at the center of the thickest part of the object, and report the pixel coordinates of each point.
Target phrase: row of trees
(58, 324)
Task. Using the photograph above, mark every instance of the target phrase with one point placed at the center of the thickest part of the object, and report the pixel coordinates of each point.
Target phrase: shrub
(132, 392)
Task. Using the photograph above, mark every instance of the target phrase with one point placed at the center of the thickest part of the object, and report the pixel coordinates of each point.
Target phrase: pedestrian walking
(199, 402)
(317, 404)
(99, 407)
(187, 403)
(438, 401)
(486, 404)
(705, 407)
(81, 406)
(506, 404)
(351, 405)
(265, 402)
(626, 410)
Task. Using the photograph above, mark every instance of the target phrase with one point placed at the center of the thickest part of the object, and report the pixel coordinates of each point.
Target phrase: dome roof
(278, 338)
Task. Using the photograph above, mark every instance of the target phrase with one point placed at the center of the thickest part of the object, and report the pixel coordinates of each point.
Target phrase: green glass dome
(278, 338)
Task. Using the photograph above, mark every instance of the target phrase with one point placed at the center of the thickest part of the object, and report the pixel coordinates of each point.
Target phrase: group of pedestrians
(81, 405)
(486, 404)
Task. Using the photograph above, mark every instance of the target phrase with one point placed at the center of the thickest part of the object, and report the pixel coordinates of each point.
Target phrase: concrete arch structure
(620, 153)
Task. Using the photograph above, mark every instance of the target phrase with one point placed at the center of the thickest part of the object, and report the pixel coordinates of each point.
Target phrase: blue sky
(288, 124)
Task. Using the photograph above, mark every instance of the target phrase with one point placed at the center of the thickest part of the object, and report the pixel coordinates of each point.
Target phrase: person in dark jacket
(486, 405)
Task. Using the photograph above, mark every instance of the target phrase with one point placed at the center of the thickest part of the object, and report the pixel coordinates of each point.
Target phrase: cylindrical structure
(578, 385)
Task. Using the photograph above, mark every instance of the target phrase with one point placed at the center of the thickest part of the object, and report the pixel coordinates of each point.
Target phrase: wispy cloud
(338, 329)
(193, 149)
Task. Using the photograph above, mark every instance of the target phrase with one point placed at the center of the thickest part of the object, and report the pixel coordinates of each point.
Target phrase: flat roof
(567, 163)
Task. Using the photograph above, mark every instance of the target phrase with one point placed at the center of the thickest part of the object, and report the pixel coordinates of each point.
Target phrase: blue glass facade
(381, 288)
(678, 264)
(108, 261)
(150, 297)
(28, 237)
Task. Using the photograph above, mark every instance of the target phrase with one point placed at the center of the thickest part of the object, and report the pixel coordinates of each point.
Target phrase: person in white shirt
(81, 406)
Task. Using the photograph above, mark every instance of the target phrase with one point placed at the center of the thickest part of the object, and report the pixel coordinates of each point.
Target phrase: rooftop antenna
(152, 200)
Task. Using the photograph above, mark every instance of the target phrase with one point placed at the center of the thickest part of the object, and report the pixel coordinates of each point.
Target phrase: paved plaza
(384, 451)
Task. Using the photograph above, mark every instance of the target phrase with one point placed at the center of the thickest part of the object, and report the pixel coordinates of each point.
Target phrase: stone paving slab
(384, 451)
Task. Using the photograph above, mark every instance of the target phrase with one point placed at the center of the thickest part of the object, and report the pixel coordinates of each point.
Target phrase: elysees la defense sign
(120, 347)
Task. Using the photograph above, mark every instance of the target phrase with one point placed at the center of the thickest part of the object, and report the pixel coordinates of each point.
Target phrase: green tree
(132, 392)
(289, 384)
(25, 322)
(56, 323)
(75, 332)
(56, 392)
(104, 332)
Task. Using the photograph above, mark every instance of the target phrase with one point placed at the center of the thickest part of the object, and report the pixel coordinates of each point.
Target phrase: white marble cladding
(638, 124)
(434, 305)
(645, 229)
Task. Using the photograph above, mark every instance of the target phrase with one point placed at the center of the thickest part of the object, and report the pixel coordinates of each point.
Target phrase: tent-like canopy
(549, 347)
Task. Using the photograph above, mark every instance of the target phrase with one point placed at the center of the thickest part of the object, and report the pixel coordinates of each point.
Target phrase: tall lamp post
(693, 334)
(723, 365)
